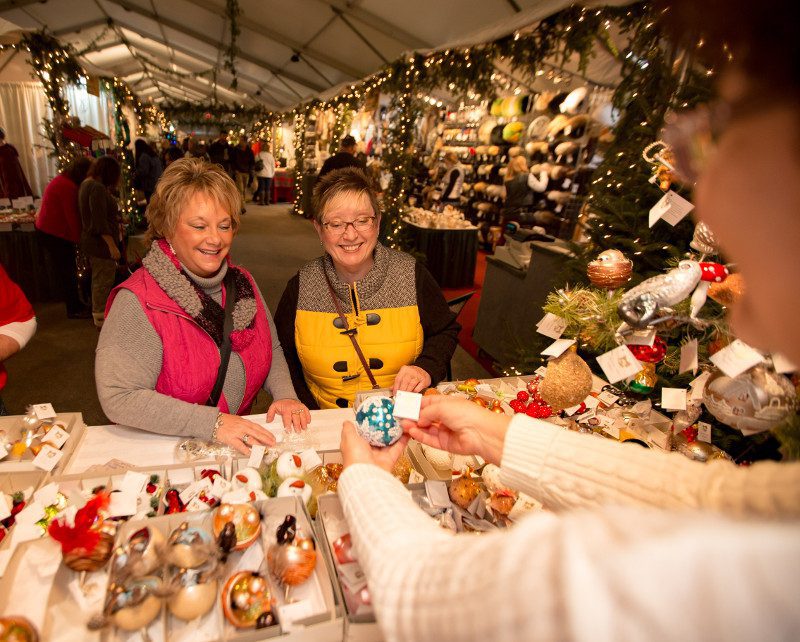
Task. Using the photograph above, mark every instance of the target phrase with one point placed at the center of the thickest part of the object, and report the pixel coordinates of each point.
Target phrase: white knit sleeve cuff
(20, 331)
(525, 453)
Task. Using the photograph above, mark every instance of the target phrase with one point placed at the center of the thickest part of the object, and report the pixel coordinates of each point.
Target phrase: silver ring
(246, 439)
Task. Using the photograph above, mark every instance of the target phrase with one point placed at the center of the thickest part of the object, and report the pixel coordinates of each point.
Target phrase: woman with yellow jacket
(361, 297)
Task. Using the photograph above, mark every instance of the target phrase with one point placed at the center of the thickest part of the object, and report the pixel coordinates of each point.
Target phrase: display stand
(512, 300)
(451, 254)
(282, 187)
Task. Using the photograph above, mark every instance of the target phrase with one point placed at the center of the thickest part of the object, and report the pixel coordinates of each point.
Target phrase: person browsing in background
(242, 163)
(265, 171)
(148, 168)
(453, 181)
(100, 229)
(520, 187)
(171, 154)
(641, 544)
(159, 363)
(13, 183)
(58, 231)
(219, 151)
(345, 157)
(17, 325)
(402, 323)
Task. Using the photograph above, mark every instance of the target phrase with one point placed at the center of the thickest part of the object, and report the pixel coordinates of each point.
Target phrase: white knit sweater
(635, 560)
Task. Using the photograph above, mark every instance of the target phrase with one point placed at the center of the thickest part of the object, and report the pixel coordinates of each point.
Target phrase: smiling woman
(361, 314)
(162, 359)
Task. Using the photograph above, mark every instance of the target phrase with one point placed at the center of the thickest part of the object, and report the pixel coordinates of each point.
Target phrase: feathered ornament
(85, 533)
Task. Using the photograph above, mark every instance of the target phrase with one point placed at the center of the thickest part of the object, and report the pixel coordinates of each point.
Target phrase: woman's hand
(412, 379)
(294, 414)
(356, 450)
(240, 434)
(460, 427)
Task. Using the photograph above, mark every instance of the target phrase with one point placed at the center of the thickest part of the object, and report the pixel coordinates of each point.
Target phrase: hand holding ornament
(356, 450)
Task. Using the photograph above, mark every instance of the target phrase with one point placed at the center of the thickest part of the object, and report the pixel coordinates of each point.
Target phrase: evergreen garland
(232, 12)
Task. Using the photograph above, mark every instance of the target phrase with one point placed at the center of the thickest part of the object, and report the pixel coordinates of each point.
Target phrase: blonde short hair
(180, 181)
(517, 165)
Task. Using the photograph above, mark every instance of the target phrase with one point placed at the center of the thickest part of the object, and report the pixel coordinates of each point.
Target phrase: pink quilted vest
(190, 357)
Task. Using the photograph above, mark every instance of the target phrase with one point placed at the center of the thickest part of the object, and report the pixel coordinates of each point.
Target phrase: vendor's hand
(294, 414)
(460, 427)
(240, 434)
(356, 450)
(412, 379)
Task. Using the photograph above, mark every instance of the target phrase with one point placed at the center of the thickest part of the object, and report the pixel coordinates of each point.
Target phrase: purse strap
(350, 332)
(225, 348)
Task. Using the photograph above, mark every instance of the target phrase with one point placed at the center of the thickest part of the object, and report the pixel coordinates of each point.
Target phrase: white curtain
(94, 111)
(23, 107)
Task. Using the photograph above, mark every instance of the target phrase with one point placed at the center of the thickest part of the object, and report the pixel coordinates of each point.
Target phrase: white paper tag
(606, 397)
(437, 493)
(44, 411)
(688, 357)
(558, 347)
(612, 430)
(5, 507)
(56, 436)
(290, 613)
(619, 364)
(672, 208)
(407, 405)
(122, 504)
(352, 576)
(25, 533)
(735, 358)
(541, 371)
(311, 459)
(415, 478)
(22, 202)
(698, 385)
(704, 432)
(47, 495)
(194, 489)
(571, 410)
(644, 337)
(133, 482)
(782, 364)
(673, 398)
(257, 452)
(220, 486)
(551, 325)
(47, 458)
(5, 202)
(593, 402)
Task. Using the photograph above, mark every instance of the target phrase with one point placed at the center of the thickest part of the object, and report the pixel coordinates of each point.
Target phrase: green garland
(219, 115)
(232, 12)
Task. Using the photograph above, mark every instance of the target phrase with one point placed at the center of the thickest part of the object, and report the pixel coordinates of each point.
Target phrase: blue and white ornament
(376, 423)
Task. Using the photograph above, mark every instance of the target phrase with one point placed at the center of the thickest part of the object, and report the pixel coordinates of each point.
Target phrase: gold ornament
(645, 380)
(729, 291)
(567, 382)
(293, 563)
(610, 270)
(15, 628)
(464, 489)
(402, 468)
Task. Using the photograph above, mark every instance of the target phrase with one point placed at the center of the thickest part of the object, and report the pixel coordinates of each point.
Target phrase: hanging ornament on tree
(567, 382)
(645, 380)
(640, 305)
(662, 160)
(729, 291)
(753, 401)
(710, 273)
(685, 418)
(650, 354)
(704, 240)
(610, 270)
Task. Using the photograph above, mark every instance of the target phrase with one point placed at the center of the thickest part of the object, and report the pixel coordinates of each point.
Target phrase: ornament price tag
(552, 326)
(133, 482)
(56, 436)
(606, 397)
(257, 452)
(47, 458)
(673, 398)
(21, 203)
(593, 402)
(644, 337)
(698, 385)
(415, 478)
(672, 208)
(781, 364)
(558, 347)
(619, 364)
(704, 432)
(123, 504)
(290, 613)
(311, 458)
(44, 411)
(180, 476)
(47, 495)
(437, 493)
(220, 486)
(735, 358)
(407, 405)
(688, 357)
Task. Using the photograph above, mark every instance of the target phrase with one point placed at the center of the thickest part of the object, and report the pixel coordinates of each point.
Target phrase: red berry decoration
(690, 433)
(532, 410)
(650, 354)
(713, 272)
(523, 396)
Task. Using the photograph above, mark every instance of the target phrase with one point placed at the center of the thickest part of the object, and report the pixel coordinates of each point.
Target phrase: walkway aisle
(57, 366)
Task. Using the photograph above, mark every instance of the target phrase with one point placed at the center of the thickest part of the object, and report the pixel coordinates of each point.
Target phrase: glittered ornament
(464, 489)
(293, 557)
(247, 601)
(15, 628)
(610, 270)
(402, 468)
(567, 381)
(645, 380)
(650, 354)
(696, 449)
(376, 423)
(640, 304)
(753, 401)
(729, 291)
(704, 240)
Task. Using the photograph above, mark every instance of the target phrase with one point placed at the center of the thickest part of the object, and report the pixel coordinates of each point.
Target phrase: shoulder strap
(350, 332)
(225, 348)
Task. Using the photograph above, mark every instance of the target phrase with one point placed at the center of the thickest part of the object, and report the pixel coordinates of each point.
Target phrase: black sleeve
(451, 183)
(439, 326)
(285, 315)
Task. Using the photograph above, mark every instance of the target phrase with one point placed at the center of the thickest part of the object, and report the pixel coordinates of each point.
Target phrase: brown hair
(517, 165)
(78, 169)
(180, 181)
(348, 180)
(106, 170)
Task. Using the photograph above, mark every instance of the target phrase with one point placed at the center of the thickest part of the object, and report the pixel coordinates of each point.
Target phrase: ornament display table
(512, 300)
(451, 254)
(28, 265)
(282, 187)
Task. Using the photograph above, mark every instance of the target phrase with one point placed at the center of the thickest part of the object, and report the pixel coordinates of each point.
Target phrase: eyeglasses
(361, 224)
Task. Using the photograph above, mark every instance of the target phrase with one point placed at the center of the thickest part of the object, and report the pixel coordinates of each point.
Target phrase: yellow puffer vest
(383, 309)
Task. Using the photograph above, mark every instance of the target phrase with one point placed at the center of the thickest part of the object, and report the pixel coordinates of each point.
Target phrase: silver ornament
(686, 418)
(753, 401)
(640, 304)
(697, 450)
(704, 240)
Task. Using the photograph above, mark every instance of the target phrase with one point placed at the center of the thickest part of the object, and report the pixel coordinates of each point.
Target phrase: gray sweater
(128, 363)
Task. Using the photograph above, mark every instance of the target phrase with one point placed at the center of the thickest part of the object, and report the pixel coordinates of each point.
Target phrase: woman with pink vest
(158, 363)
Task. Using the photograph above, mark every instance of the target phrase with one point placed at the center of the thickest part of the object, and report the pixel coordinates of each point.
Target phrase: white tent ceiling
(289, 50)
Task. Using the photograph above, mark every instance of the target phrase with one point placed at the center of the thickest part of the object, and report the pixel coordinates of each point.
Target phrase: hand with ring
(412, 379)
(240, 434)
(294, 414)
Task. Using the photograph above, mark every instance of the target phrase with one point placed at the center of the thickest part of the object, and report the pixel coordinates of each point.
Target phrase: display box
(66, 620)
(14, 428)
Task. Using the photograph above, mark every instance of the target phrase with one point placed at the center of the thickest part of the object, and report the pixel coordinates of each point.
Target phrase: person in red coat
(58, 230)
(17, 325)
(13, 183)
